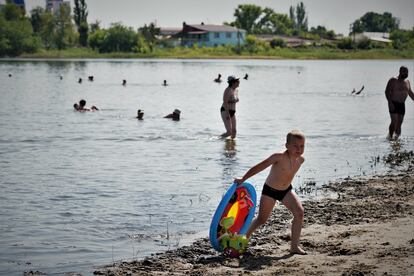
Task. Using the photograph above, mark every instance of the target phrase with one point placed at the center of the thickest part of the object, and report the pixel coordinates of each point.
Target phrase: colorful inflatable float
(232, 219)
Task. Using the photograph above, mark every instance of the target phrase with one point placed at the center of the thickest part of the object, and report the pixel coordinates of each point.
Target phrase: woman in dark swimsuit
(228, 108)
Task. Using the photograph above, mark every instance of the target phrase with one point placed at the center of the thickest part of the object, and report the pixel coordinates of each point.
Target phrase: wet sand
(365, 228)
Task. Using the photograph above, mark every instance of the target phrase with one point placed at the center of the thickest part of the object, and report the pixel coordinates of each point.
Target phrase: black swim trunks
(275, 194)
(399, 108)
(231, 112)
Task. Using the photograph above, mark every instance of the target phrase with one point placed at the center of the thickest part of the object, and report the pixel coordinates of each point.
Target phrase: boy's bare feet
(298, 251)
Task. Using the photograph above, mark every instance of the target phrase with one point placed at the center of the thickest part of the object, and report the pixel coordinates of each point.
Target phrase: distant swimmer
(165, 83)
(123, 82)
(10, 75)
(228, 107)
(218, 79)
(396, 92)
(357, 92)
(81, 107)
(246, 76)
(175, 116)
(140, 114)
(61, 77)
(82, 104)
(80, 80)
(90, 78)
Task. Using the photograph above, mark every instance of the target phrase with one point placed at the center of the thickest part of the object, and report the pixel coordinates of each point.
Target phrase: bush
(117, 38)
(364, 44)
(277, 42)
(253, 45)
(346, 44)
(402, 39)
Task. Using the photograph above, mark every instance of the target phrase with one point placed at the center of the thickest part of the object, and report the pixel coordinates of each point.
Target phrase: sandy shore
(367, 228)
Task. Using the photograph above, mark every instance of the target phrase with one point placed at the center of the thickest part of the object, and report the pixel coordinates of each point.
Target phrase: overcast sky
(333, 14)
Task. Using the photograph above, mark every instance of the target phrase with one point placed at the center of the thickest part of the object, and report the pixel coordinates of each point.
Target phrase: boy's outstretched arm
(258, 168)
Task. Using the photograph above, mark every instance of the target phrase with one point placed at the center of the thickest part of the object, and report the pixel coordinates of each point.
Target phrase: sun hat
(232, 78)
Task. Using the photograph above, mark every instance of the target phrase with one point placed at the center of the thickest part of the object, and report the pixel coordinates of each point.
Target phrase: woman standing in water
(228, 108)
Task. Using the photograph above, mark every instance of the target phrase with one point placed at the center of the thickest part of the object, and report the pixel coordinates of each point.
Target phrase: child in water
(278, 186)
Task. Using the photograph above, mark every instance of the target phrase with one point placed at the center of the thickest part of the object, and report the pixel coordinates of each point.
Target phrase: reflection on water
(80, 190)
(229, 162)
(230, 148)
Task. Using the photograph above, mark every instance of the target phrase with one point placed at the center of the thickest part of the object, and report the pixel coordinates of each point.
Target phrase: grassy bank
(223, 52)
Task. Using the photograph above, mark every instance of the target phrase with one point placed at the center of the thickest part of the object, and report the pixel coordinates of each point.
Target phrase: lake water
(79, 190)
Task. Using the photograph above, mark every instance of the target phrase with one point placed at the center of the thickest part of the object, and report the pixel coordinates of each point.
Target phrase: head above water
(232, 79)
(403, 73)
(82, 103)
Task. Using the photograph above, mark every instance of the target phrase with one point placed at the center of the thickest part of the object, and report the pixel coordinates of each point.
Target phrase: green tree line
(62, 29)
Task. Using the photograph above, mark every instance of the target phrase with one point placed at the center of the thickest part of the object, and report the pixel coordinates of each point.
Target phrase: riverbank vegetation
(59, 34)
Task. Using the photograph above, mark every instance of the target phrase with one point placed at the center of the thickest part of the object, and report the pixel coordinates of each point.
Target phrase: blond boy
(278, 186)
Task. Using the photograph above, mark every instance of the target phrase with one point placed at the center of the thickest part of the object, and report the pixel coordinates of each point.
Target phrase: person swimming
(81, 106)
(140, 114)
(175, 116)
(218, 79)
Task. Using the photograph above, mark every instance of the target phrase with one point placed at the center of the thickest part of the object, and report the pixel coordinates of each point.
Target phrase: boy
(278, 186)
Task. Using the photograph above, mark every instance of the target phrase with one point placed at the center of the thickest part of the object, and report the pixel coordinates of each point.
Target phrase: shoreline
(207, 53)
(366, 229)
(70, 58)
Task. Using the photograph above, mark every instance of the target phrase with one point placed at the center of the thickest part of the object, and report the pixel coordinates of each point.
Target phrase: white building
(374, 36)
(53, 6)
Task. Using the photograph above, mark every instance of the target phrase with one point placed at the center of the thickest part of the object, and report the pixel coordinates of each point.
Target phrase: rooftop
(214, 28)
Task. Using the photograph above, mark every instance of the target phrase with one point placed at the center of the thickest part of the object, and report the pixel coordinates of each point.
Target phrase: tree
(16, 33)
(323, 32)
(292, 14)
(117, 38)
(256, 20)
(282, 24)
(64, 35)
(402, 39)
(47, 30)
(12, 12)
(80, 15)
(264, 23)
(36, 19)
(93, 27)
(246, 17)
(375, 22)
(149, 33)
(301, 18)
